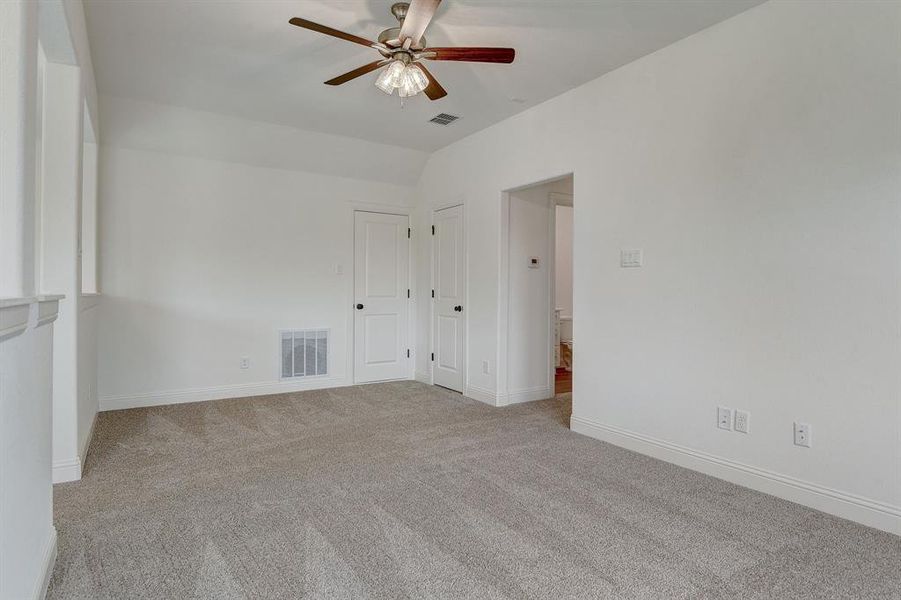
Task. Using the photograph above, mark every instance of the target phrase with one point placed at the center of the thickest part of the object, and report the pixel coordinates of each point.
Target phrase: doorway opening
(535, 357)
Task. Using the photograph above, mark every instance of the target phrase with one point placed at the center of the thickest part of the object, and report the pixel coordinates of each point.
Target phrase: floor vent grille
(443, 119)
(304, 353)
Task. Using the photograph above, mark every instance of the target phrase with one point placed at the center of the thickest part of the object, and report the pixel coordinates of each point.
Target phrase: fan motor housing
(399, 10)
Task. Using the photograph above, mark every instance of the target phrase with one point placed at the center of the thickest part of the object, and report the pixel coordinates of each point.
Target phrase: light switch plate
(724, 418)
(630, 258)
(803, 434)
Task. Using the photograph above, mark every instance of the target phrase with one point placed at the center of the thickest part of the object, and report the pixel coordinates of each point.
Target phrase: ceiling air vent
(443, 119)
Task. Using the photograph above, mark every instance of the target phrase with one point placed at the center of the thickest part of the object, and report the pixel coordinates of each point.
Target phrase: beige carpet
(402, 490)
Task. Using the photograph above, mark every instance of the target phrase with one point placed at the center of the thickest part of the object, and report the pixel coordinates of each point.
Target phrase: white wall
(89, 283)
(143, 125)
(203, 261)
(563, 260)
(27, 536)
(756, 163)
(60, 217)
(529, 310)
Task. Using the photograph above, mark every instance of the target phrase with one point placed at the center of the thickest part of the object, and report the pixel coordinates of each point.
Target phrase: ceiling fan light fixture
(414, 81)
(392, 77)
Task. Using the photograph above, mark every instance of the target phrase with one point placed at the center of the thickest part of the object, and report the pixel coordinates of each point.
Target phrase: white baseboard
(481, 394)
(423, 376)
(66, 470)
(218, 393)
(86, 443)
(48, 560)
(841, 504)
(527, 395)
(69, 469)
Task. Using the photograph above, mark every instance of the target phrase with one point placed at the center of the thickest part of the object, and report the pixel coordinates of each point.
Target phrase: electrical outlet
(245, 362)
(486, 367)
(742, 421)
(803, 434)
(724, 418)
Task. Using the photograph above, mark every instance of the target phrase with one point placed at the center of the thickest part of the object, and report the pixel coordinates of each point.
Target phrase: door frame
(502, 394)
(554, 200)
(349, 274)
(433, 256)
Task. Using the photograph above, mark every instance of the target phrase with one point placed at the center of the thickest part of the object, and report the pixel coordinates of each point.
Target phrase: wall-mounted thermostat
(534, 262)
(630, 257)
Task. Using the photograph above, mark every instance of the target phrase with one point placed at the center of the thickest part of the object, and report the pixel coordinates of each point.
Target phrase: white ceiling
(242, 58)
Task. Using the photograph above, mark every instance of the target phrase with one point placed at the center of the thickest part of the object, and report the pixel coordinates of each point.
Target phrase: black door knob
(359, 307)
(458, 308)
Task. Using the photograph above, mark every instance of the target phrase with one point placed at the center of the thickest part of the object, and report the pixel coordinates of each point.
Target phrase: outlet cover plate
(742, 421)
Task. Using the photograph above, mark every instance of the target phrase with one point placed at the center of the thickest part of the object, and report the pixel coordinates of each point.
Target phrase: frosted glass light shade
(412, 82)
(391, 77)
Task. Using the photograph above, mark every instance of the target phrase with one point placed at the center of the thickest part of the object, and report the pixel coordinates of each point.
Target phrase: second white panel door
(381, 302)
(448, 325)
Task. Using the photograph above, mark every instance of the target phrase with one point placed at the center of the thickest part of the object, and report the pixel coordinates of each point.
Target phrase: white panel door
(381, 303)
(448, 325)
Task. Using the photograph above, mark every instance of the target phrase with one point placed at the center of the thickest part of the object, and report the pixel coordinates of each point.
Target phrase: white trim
(481, 394)
(86, 444)
(551, 291)
(503, 296)
(385, 209)
(423, 376)
(12, 302)
(48, 309)
(559, 198)
(48, 560)
(458, 200)
(14, 318)
(502, 370)
(222, 392)
(842, 504)
(526, 395)
(71, 469)
(66, 470)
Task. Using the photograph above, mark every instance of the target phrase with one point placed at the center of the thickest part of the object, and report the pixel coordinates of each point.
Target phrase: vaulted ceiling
(242, 58)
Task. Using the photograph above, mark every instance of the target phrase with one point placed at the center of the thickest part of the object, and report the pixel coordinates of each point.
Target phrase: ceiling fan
(403, 48)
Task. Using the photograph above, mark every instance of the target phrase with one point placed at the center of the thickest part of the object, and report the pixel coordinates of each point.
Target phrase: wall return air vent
(443, 119)
(304, 353)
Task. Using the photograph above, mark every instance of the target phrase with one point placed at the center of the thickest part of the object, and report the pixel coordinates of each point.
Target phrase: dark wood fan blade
(330, 31)
(434, 91)
(357, 72)
(419, 15)
(491, 55)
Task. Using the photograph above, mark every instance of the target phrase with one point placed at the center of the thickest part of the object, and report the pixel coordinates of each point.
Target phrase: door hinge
(433, 293)
(408, 233)
(408, 353)
(433, 356)
(408, 292)
(433, 230)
